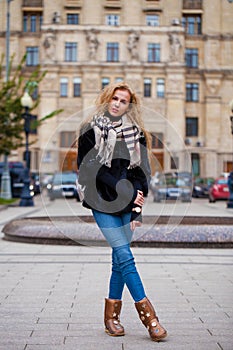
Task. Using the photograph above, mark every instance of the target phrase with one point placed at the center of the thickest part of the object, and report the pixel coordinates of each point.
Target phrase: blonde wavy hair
(134, 113)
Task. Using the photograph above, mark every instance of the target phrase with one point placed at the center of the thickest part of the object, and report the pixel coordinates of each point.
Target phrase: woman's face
(119, 103)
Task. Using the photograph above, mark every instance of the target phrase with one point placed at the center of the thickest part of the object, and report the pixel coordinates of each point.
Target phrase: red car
(219, 190)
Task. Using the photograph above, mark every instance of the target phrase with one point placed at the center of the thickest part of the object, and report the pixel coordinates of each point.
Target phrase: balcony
(151, 5)
(73, 3)
(32, 3)
(192, 4)
(112, 4)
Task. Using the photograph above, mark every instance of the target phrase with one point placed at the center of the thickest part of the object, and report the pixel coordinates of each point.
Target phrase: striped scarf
(106, 134)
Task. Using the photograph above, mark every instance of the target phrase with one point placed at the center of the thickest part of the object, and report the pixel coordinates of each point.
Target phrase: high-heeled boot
(148, 317)
(112, 317)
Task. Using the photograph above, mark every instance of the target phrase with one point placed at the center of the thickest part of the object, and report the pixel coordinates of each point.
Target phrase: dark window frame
(112, 19)
(64, 87)
(152, 18)
(192, 92)
(191, 126)
(192, 24)
(160, 87)
(72, 18)
(191, 57)
(153, 52)
(112, 52)
(32, 56)
(104, 82)
(32, 22)
(77, 87)
(147, 87)
(71, 51)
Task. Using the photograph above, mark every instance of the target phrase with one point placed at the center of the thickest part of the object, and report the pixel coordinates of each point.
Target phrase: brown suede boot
(150, 320)
(112, 318)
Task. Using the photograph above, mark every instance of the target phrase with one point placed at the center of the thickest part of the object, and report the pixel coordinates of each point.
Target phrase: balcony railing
(112, 4)
(192, 4)
(73, 3)
(32, 3)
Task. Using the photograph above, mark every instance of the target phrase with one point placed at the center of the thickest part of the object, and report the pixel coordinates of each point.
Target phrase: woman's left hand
(134, 224)
(139, 199)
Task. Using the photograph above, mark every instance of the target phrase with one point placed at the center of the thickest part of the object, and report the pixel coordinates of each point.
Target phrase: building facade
(176, 54)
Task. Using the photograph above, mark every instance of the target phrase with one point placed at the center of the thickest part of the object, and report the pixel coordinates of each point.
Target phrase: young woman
(114, 169)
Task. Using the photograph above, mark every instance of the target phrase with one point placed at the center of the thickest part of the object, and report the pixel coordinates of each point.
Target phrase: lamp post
(26, 197)
(6, 180)
(230, 177)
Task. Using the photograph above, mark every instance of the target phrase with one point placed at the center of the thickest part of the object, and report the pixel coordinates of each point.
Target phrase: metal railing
(192, 4)
(32, 3)
(73, 3)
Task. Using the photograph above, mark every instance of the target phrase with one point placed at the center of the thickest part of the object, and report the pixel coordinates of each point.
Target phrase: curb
(162, 231)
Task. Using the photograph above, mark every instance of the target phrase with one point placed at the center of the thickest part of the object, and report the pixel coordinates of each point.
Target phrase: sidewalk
(52, 297)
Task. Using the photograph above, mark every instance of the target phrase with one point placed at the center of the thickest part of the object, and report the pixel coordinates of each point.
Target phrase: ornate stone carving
(93, 44)
(132, 45)
(175, 47)
(213, 85)
(49, 48)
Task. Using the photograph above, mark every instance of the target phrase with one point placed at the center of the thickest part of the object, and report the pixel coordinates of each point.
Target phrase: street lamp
(6, 179)
(230, 177)
(26, 197)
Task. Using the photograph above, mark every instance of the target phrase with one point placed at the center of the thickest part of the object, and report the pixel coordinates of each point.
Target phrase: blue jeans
(117, 232)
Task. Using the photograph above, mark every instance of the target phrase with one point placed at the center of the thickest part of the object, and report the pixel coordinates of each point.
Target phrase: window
(112, 20)
(119, 79)
(35, 93)
(105, 82)
(195, 159)
(67, 138)
(160, 87)
(70, 52)
(174, 162)
(192, 92)
(191, 58)
(192, 24)
(32, 55)
(147, 87)
(77, 87)
(63, 87)
(152, 20)
(72, 18)
(112, 52)
(191, 126)
(157, 140)
(153, 52)
(32, 22)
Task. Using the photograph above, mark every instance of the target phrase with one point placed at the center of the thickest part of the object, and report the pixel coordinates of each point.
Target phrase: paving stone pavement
(52, 298)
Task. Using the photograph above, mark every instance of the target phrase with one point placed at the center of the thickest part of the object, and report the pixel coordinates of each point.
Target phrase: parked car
(201, 186)
(219, 190)
(16, 171)
(154, 181)
(35, 183)
(177, 185)
(45, 180)
(63, 184)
